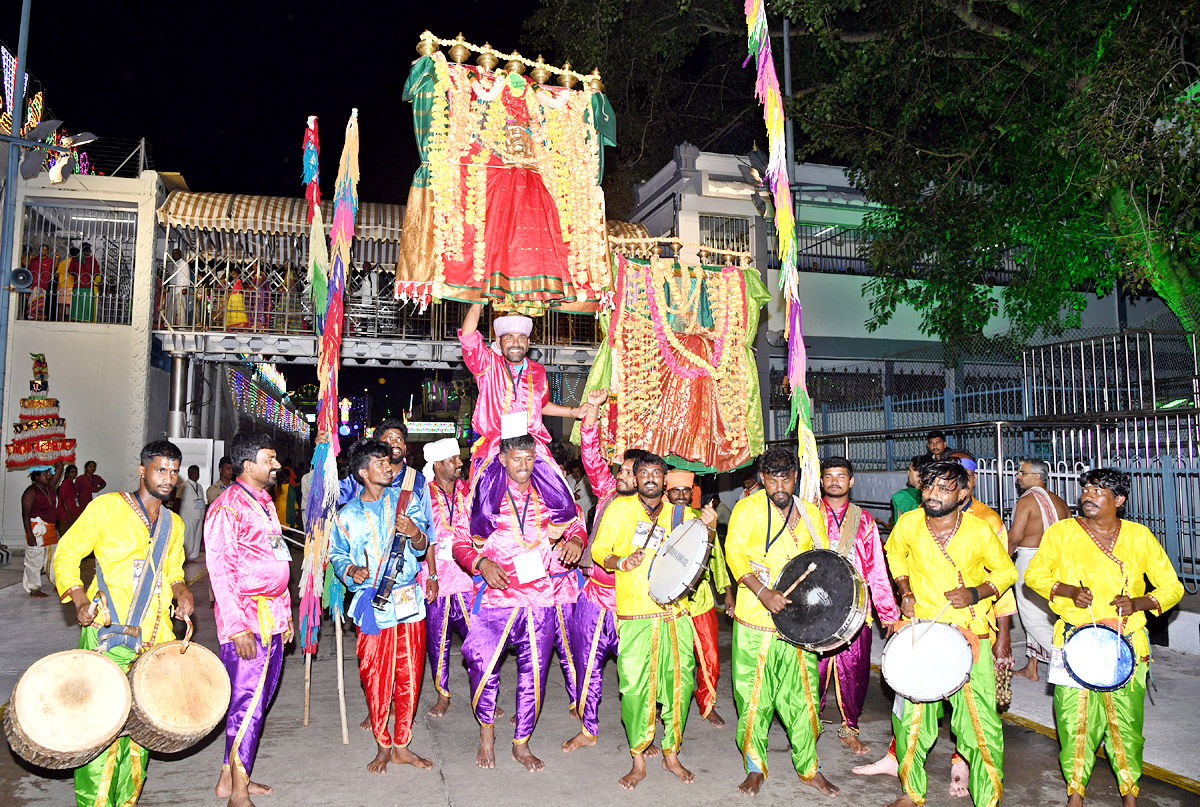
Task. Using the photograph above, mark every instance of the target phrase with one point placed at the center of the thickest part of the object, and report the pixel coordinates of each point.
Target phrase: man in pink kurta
(249, 566)
(848, 669)
(513, 601)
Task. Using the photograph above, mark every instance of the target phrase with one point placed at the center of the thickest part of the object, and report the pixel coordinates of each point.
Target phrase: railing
(1160, 451)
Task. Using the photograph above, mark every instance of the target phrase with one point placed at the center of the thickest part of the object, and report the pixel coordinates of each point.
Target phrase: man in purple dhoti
(593, 626)
(512, 386)
(513, 600)
(853, 533)
(249, 565)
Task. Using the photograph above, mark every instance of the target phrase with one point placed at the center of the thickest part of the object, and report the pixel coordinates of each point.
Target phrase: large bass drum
(829, 605)
(180, 693)
(927, 661)
(679, 563)
(67, 708)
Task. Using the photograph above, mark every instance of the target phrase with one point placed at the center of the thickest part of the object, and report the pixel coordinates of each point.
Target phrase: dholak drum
(180, 693)
(67, 708)
(1098, 657)
(829, 602)
(927, 661)
(679, 563)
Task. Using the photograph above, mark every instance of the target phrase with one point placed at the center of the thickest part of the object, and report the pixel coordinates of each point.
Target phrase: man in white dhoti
(190, 503)
(1037, 508)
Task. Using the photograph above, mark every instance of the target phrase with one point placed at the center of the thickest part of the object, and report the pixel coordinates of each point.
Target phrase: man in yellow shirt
(1095, 567)
(655, 664)
(766, 530)
(940, 555)
(138, 544)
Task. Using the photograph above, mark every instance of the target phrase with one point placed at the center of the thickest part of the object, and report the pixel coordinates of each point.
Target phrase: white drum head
(679, 562)
(934, 667)
(72, 700)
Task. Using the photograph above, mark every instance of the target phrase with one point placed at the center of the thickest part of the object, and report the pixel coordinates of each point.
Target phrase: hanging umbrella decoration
(766, 89)
(322, 501)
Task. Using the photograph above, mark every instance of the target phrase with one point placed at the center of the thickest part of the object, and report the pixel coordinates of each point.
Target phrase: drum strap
(808, 524)
(849, 528)
(128, 631)
(677, 516)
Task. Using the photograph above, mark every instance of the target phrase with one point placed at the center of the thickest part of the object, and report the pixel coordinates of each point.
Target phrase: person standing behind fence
(42, 269)
(1036, 509)
(909, 497)
(179, 290)
(65, 274)
(935, 441)
(87, 274)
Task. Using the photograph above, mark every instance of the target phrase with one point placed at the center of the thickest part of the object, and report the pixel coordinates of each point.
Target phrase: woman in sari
(235, 302)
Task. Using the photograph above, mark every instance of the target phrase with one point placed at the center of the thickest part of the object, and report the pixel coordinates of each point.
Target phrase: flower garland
(669, 344)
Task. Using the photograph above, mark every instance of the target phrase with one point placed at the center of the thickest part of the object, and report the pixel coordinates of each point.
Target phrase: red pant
(708, 664)
(391, 665)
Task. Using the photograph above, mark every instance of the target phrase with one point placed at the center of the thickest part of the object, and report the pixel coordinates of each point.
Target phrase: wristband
(620, 564)
(974, 595)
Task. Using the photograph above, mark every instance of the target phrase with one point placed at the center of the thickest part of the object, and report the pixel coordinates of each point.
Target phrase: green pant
(1086, 719)
(655, 665)
(115, 778)
(976, 726)
(771, 676)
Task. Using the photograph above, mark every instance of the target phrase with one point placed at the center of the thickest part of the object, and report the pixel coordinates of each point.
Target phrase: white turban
(437, 451)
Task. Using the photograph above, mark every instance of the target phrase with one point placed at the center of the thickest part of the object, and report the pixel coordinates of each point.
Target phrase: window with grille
(725, 232)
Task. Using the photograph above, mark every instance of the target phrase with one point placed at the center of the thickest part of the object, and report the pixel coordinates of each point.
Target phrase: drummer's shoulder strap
(127, 631)
(813, 532)
(849, 529)
(677, 516)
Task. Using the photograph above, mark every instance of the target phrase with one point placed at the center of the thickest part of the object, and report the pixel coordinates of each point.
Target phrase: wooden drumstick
(931, 624)
(812, 567)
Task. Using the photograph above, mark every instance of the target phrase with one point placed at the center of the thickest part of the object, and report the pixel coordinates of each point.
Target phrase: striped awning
(273, 228)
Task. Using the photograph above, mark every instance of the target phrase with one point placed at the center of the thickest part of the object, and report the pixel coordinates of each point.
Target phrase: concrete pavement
(310, 766)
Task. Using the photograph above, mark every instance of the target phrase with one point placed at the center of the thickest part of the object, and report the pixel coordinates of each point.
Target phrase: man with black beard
(948, 566)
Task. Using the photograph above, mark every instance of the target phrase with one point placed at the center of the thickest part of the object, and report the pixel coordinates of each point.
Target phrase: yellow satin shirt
(111, 528)
(615, 537)
(973, 552)
(1068, 555)
(747, 552)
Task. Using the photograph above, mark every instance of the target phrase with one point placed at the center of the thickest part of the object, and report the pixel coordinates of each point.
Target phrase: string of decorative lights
(257, 402)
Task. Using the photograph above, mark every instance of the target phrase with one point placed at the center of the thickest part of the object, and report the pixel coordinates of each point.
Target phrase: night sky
(222, 91)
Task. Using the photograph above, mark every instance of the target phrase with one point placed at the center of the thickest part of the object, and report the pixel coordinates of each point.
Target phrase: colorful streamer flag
(318, 253)
(766, 89)
(315, 585)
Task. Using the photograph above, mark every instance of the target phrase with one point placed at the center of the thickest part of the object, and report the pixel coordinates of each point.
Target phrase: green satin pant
(1086, 719)
(655, 665)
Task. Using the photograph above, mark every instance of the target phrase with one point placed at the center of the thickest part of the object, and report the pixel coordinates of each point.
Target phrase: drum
(180, 693)
(679, 563)
(927, 661)
(1098, 657)
(67, 708)
(829, 600)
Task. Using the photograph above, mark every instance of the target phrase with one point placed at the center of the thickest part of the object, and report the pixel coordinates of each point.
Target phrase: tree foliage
(1053, 139)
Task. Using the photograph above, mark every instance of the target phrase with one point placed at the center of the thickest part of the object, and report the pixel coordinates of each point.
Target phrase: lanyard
(787, 517)
(266, 512)
(516, 380)
(836, 518)
(524, 512)
(452, 504)
(153, 524)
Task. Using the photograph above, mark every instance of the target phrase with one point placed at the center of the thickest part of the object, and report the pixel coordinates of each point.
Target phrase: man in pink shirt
(248, 566)
(448, 588)
(89, 483)
(852, 532)
(511, 387)
(513, 602)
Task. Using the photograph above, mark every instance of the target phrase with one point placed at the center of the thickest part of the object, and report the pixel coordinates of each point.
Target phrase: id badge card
(279, 547)
(761, 572)
(139, 564)
(641, 535)
(445, 549)
(404, 600)
(657, 534)
(529, 567)
(1058, 670)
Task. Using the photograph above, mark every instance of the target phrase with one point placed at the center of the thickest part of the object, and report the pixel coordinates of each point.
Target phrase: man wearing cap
(512, 387)
(593, 626)
(513, 601)
(448, 588)
(703, 609)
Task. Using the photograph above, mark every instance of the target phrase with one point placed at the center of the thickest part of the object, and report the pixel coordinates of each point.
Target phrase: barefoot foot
(512, 721)
(578, 741)
(1030, 670)
(958, 779)
(886, 766)
(671, 763)
(382, 757)
(225, 785)
(486, 756)
(636, 774)
(439, 708)
(522, 754)
(366, 724)
(856, 745)
(402, 756)
(651, 750)
(903, 801)
(822, 785)
(715, 718)
(751, 784)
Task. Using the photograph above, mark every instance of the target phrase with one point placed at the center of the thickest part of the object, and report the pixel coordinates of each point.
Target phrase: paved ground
(310, 766)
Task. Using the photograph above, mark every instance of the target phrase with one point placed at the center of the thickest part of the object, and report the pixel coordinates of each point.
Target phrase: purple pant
(529, 630)
(848, 671)
(254, 683)
(593, 631)
(441, 617)
(564, 645)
